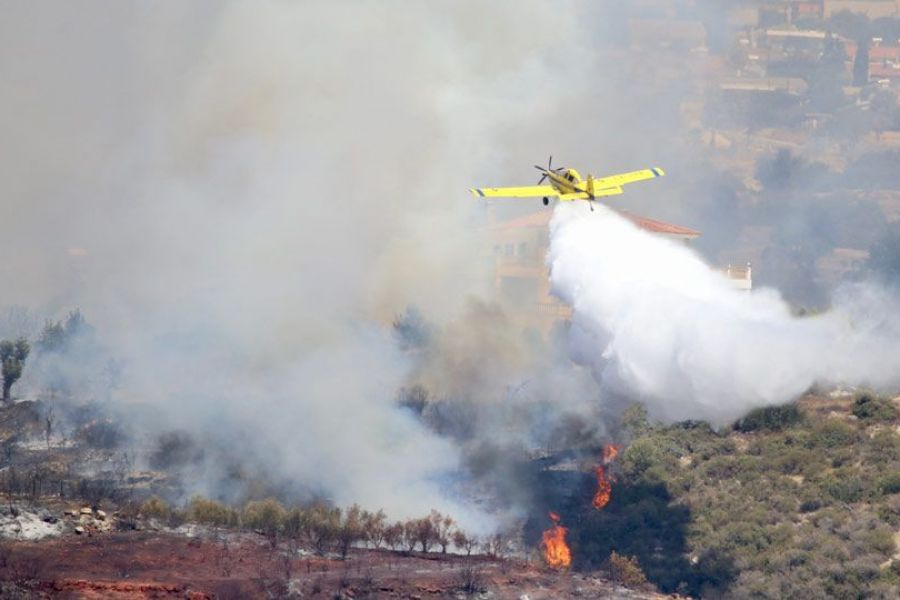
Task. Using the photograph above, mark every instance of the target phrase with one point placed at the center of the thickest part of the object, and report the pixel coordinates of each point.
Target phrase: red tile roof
(659, 226)
(542, 219)
(876, 53)
(883, 72)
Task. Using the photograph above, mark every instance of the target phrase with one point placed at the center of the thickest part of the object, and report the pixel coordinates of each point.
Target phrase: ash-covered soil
(146, 564)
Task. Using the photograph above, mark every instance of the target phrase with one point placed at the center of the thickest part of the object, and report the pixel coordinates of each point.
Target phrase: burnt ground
(144, 564)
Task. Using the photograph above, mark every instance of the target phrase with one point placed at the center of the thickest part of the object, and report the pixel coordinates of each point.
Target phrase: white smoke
(655, 322)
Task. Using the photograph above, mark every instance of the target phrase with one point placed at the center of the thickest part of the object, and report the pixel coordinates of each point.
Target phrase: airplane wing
(621, 179)
(528, 191)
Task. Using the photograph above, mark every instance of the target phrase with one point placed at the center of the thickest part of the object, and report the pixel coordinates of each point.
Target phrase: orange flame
(553, 542)
(604, 487)
(610, 451)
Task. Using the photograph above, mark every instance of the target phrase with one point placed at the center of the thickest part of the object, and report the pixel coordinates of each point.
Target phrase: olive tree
(13, 355)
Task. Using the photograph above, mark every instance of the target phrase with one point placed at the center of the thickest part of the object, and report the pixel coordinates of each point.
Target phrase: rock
(101, 515)
(79, 529)
(87, 511)
(70, 512)
(50, 519)
(524, 597)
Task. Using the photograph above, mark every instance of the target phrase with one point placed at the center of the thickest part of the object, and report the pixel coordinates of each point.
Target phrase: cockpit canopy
(572, 176)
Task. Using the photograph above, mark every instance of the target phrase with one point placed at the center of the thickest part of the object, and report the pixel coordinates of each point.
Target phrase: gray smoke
(240, 197)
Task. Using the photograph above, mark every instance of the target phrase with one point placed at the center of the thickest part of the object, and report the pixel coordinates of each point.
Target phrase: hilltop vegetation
(801, 501)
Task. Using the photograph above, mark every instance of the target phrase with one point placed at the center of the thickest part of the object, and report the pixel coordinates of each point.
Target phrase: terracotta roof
(542, 219)
(659, 226)
(876, 53)
(882, 71)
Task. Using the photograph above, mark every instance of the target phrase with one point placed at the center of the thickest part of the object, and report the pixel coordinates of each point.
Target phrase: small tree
(408, 537)
(462, 541)
(442, 527)
(350, 530)
(296, 523)
(393, 535)
(497, 545)
(13, 355)
(374, 525)
(267, 516)
(424, 533)
(322, 525)
(52, 338)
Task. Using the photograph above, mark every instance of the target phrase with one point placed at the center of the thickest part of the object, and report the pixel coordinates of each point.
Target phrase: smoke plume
(655, 322)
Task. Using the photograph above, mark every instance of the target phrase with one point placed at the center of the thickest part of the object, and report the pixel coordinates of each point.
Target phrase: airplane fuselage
(567, 182)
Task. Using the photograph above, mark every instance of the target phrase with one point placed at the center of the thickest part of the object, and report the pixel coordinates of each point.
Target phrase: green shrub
(642, 455)
(881, 540)
(770, 418)
(833, 434)
(845, 489)
(872, 408)
(793, 461)
(890, 483)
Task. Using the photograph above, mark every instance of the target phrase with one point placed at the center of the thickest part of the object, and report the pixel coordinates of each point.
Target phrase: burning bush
(604, 487)
(553, 543)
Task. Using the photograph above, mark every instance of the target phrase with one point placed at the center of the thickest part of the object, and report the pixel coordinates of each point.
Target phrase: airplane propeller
(547, 170)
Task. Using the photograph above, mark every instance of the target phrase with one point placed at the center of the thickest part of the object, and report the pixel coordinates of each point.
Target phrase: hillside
(801, 501)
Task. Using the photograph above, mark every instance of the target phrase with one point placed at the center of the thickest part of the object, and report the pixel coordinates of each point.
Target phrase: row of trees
(326, 528)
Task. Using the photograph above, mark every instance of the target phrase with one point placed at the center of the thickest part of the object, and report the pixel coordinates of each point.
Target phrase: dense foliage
(789, 504)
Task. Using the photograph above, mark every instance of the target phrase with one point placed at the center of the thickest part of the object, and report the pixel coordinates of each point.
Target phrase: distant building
(667, 33)
(873, 9)
(789, 12)
(740, 276)
(884, 61)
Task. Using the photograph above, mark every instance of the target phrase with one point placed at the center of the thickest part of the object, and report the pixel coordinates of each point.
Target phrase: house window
(508, 250)
(521, 250)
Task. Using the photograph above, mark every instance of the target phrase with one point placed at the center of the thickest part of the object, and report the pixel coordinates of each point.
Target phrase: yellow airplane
(566, 184)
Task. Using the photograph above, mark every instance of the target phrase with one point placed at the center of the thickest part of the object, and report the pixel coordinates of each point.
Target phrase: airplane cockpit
(572, 176)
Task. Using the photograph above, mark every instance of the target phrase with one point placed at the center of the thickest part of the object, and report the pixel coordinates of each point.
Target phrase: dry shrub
(212, 513)
(155, 507)
(626, 570)
(471, 581)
